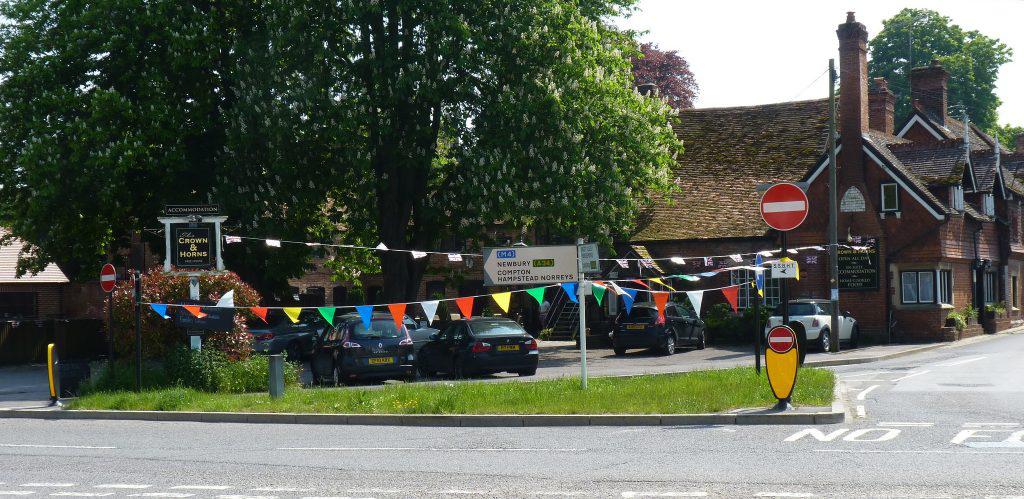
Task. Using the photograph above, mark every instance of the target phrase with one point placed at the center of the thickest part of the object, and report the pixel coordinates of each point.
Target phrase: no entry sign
(781, 339)
(784, 206)
(108, 276)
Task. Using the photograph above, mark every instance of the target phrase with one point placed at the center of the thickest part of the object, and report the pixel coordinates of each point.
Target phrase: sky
(745, 52)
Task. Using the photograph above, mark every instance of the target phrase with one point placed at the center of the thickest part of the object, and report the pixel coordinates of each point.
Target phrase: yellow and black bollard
(781, 360)
(53, 370)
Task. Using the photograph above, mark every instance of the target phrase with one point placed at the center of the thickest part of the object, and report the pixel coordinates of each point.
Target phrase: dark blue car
(481, 345)
(350, 351)
(642, 328)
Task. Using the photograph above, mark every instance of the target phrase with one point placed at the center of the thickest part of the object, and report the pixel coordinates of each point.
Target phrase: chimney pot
(929, 87)
(882, 107)
(850, 17)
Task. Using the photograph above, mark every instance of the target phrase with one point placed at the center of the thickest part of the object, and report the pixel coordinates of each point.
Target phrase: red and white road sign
(781, 339)
(784, 206)
(108, 276)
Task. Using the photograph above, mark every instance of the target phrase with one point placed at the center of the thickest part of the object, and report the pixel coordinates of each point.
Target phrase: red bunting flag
(465, 306)
(194, 310)
(638, 281)
(260, 312)
(731, 295)
(660, 300)
(397, 313)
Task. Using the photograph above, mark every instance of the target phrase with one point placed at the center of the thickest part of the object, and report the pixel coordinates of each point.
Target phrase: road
(945, 423)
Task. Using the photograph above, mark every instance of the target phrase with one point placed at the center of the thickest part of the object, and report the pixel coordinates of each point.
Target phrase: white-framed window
(918, 286)
(890, 197)
(990, 288)
(1014, 290)
(989, 204)
(956, 197)
(772, 288)
(946, 287)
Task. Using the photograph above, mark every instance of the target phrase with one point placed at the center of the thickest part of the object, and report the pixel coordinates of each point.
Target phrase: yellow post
(52, 371)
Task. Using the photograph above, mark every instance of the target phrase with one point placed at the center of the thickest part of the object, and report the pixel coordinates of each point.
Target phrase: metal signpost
(108, 278)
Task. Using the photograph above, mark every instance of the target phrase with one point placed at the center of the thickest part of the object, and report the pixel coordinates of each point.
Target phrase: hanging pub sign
(193, 246)
(210, 318)
(858, 268)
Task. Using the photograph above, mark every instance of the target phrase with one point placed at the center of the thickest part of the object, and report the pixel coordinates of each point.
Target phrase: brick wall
(49, 302)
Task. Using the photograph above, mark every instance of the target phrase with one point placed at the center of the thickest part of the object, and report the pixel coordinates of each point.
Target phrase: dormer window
(956, 197)
(890, 197)
(989, 204)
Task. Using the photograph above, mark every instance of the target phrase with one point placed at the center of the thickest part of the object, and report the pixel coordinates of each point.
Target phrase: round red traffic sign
(108, 276)
(784, 206)
(781, 339)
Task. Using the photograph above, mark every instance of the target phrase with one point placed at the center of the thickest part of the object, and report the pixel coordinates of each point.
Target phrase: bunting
(678, 260)
(638, 281)
(570, 289)
(429, 309)
(599, 291)
(366, 313)
(732, 296)
(327, 313)
(397, 314)
(160, 310)
(227, 299)
(260, 312)
(537, 294)
(736, 258)
(660, 300)
(695, 298)
(502, 299)
(628, 297)
(465, 306)
(293, 313)
(273, 243)
(195, 310)
(659, 281)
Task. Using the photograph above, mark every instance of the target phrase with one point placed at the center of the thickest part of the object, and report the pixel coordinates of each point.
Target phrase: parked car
(481, 345)
(295, 340)
(642, 328)
(815, 317)
(350, 351)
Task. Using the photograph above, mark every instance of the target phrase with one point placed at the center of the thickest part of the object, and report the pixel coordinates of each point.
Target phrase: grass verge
(688, 393)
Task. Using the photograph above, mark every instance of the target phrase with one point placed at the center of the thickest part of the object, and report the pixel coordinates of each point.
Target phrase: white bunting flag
(766, 254)
(647, 263)
(708, 261)
(429, 309)
(678, 260)
(419, 254)
(273, 243)
(312, 244)
(232, 239)
(792, 251)
(622, 262)
(382, 247)
(227, 300)
(818, 248)
(454, 257)
(736, 258)
(695, 298)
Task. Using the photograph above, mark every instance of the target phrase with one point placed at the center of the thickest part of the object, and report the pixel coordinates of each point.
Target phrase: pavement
(948, 422)
(24, 387)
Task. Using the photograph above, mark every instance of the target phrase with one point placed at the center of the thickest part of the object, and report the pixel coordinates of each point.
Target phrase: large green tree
(914, 37)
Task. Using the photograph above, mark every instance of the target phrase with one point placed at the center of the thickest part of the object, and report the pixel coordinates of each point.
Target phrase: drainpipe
(974, 272)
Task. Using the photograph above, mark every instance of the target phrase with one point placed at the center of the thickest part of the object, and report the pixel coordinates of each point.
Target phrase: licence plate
(636, 326)
(508, 348)
(376, 361)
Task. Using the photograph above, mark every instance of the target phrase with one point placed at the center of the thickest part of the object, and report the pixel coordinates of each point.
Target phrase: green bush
(725, 326)
(969, 313)
(122, 377)
(959, 320)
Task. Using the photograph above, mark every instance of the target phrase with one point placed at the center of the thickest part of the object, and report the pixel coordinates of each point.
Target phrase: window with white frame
(956, 197)
(890, 197)
(989, 204)
(1013, 291)
(918, 286)
(772, 293)
(990, 287)
(946, 287)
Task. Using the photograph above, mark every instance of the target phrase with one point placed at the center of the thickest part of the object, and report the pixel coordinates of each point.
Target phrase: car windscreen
(485, 329)
(798, 309)
(378, 330)
(642, 313)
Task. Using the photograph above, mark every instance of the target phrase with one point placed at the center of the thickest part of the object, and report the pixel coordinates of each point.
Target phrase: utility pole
(833, 210)
(581, 290)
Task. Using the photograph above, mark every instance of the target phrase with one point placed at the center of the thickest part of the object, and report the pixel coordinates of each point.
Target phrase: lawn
(688, 393)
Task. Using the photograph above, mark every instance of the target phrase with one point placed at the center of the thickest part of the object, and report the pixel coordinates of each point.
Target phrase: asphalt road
(942, 423)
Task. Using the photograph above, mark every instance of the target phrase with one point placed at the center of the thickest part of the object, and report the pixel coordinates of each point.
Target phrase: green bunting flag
(328, 314)
(599, 292)
(537, 294)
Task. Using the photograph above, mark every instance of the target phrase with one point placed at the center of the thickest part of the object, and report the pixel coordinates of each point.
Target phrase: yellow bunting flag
(293, 313)
(659, 281)
(502, 299)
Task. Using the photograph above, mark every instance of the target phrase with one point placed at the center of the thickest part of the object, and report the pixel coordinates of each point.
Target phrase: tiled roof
(882, 144)
(954, 129)
(9, 254)
(729, 152)
(942, 165)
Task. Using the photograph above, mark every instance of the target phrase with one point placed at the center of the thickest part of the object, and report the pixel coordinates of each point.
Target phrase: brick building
(936, 199)
(38, 296)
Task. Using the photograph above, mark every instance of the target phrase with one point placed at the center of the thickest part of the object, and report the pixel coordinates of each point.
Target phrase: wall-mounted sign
(853, 201)
(858, 269)
(193, 248)
(184, 210)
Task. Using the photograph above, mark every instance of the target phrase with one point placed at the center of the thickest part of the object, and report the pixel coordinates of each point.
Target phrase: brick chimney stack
(882, 104)
(929, 89)
(853, 94)
(1019, 147)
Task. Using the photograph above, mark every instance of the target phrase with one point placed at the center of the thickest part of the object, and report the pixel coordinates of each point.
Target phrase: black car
(481, 345)
(349, 351)
(642, 328)
(281, 335)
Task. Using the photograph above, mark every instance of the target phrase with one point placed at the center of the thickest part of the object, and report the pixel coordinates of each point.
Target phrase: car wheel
(703, 341)
(669, 347)
(855, 337)
(423, 371)
(334, 378)
(527, 372)
(824, 340)
(458, 371)
(620, 352)
(293, 352)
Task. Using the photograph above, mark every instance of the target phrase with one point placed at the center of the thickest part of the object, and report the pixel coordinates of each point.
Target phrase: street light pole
(833, 215)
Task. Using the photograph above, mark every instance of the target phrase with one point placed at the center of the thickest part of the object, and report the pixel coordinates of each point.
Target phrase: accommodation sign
(193, 246)
(858, 269)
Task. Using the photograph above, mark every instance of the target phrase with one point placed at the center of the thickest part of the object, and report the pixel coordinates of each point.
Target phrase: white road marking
(961, 362)
(909, 424)
(427, 449)
(161, 494)
(861, 413)
(48, 484)
(863, 374)
(784, 494)
(664, 494)
(858, 451)
(560, 493)
(122, 486)
(982, 425)
(16, 492)
(201, 487)
(246, 497)
(83, 494)
(911, 375)
(280, 489)
(463, 492)
(336, 497)
(864, 393)
(58, 446)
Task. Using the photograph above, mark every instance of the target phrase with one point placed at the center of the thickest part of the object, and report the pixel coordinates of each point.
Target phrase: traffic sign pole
(581, 291)
(138, 330)
(108, 279)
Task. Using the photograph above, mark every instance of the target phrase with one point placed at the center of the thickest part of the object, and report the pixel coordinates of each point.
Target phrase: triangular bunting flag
(328, 314)
(502, 299)
(689, 277)
(293, 313)
(622, 262)
(660, 300)
(465, 306)
(695, 298)
(429, 309)
(537, 294)
(659, 281)
(736, 258)
(160, 310)
(195, 310)
(678, 260)
(708, 261)
(382, 247)
(628, 298)
(397, 314)
(599, 292)
(570, 289)
(418, 254)
(273, 243)
(227, 300)
(731, 296)
(366, 313)
(260, 312)
(644, 284)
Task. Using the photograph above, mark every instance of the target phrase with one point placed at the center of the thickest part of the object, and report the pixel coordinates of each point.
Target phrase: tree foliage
(914, 37)
(1007, 135)
(669, 71)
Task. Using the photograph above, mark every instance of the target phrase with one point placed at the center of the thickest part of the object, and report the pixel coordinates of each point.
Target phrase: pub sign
(858, 269)
(193, 246)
